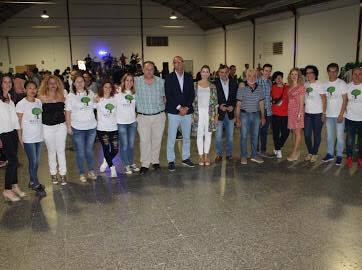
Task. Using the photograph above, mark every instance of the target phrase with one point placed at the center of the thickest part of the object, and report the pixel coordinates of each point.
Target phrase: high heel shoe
(294, 157)
(16, 190)
(9, 195)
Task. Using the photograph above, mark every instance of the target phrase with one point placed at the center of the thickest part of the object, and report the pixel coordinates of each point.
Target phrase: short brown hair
(101, 91)
(124, 78)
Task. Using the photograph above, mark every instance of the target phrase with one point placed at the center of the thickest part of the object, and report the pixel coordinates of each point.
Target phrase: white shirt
(313, 99)
(31, 122)
(81, 107)
(8, 118)
(354, 106)
(225, 87)
(106, 114)
(203, 97)
(334, 92)
(180, 79)
(126, 107)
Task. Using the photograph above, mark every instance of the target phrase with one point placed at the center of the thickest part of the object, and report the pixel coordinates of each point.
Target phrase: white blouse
(8, 118)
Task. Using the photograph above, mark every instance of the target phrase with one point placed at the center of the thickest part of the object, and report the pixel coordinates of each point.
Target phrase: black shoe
(188, 163)
(143, 170)
(156, 167)
(171, 166)
(40, 190)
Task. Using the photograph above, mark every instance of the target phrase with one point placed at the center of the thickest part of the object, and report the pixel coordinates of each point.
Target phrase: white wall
(326, 33)
(329, 36)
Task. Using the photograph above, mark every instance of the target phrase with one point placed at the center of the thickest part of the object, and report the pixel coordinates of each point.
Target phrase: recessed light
(46, 26)
(173, 16)
(44, 15)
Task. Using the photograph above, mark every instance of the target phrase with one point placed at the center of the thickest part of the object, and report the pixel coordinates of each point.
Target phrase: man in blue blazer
(180, 94)
(226, 95)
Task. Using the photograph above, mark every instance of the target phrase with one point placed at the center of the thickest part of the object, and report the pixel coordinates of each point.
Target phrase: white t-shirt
(126, 107)
(8, 119)
(203, 97)
(354, 107)
(106, 114)
(31, 123)
(81, 107)
(313, 100)
(334, 91)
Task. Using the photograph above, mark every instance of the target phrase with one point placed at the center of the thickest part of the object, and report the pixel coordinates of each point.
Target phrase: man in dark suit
(180, 94)
(226, 94)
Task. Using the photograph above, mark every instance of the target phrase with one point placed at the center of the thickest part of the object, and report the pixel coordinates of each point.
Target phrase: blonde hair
(123, 82)
(44, 89)
(300, 77)
(251, 73)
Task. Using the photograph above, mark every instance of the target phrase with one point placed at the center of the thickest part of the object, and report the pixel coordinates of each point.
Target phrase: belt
(149, 114)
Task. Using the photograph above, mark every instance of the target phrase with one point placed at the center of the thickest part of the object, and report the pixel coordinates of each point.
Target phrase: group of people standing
(48, 113)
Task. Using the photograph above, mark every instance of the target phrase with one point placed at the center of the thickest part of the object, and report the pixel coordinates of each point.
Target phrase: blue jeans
(83, 141)
(312, 132)
(354, 128)
(127, 135)
(333, 129)
(229, 128)
(175, 120)
(250, 123)
(32, 151)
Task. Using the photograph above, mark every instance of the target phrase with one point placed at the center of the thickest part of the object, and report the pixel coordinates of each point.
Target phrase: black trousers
(280, 131)
(109, 141)
(10, 147)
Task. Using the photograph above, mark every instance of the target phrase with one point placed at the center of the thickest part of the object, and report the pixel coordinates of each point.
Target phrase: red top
(277, 93)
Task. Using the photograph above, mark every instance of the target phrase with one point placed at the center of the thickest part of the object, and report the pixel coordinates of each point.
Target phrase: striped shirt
(266, 85)
(250, 98)
(150, 98)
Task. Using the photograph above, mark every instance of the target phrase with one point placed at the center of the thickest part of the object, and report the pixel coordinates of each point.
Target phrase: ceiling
(196, 11)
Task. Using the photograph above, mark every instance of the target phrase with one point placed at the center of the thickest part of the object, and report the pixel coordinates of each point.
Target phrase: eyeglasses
(309, 72)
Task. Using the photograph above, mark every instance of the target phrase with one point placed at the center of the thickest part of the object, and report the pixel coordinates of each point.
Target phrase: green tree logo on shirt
(85, 100)
(129, 98)
(309, 90)
(331, 90)
(109, 107)
(36, 112)
(356, 93)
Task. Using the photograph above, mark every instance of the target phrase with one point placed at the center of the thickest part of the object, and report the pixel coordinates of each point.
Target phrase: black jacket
(175, 97)
(231, 101)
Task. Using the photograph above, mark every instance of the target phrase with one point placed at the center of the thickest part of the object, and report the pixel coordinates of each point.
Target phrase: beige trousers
(150, 129)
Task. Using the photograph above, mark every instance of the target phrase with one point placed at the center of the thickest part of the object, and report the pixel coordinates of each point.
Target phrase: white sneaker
(92, 175)
(275, 152)
(113, 172)
(134, 168)
(279, 154)
(104, 166)
(82, 178)
(128, 170)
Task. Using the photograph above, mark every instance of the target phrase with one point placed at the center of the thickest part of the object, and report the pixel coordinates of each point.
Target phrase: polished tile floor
(273, 216)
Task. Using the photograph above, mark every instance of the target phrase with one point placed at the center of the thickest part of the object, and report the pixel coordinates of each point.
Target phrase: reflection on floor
(278, 215)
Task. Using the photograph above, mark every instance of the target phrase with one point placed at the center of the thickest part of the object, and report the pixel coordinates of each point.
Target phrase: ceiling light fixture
(44, 15)
(173, 16)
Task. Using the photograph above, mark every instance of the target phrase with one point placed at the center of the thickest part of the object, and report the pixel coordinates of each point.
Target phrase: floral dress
(294, 95)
